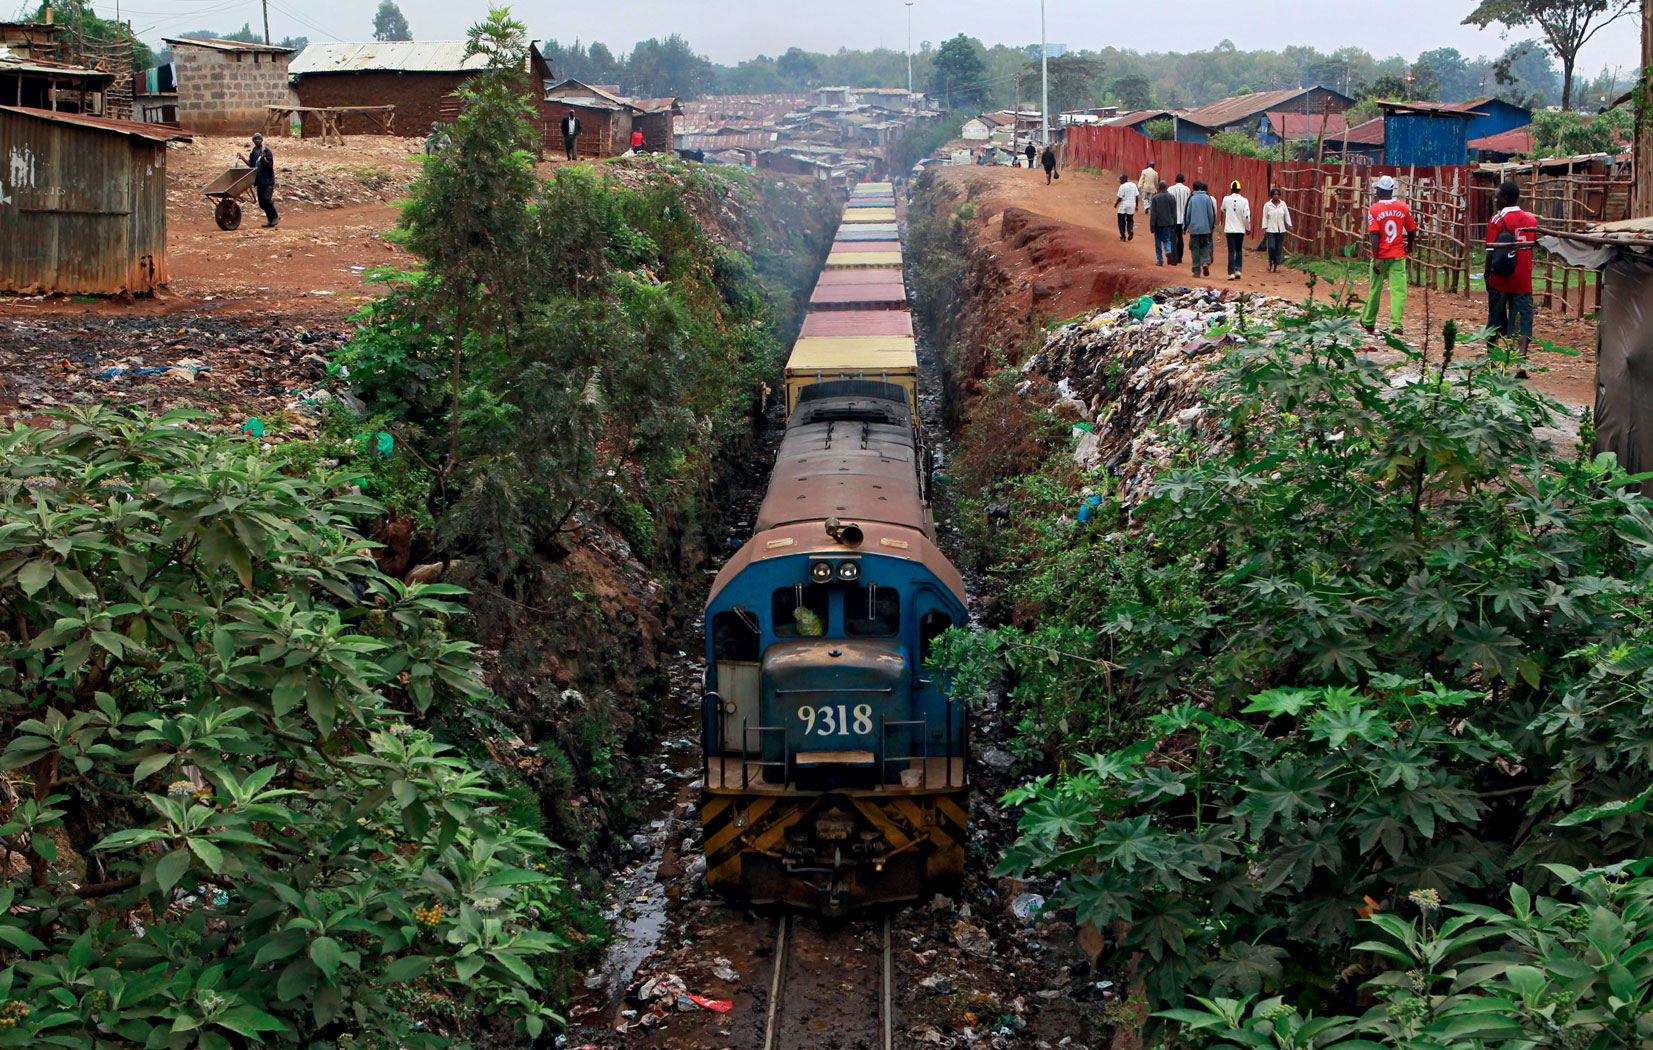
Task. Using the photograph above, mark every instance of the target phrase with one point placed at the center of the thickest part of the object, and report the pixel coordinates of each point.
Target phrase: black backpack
(1502, 262)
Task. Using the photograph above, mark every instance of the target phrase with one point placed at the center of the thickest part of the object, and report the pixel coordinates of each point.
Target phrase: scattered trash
(1026, 906)
(972, 939)
(997, 758)
(253, 427)
(1132, 368)
(723, 970)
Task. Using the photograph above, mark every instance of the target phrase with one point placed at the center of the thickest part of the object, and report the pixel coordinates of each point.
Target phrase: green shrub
(234, 829)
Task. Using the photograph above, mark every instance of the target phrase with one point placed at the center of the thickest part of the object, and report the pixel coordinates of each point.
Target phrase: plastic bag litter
(724, 970)
(972, 939)
(1026, 906)
(669, 988)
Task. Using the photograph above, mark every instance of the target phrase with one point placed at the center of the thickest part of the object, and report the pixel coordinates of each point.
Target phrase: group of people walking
(1184, 220)
(1177, 210)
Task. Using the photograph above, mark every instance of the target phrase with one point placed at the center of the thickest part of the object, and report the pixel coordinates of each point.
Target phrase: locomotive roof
(810, 537)
(855, 471)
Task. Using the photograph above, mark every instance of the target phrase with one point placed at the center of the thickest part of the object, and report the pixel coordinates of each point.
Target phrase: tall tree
(1451, 72)
(389, 23)
(1525, 75)
(1422, 85)
(799, 68)
(960, 72)
(1566, 25)
(1075, 82)
(659, 68)
(1132, 91)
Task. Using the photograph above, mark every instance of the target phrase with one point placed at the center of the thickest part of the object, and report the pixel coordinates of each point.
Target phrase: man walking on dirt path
(1147, 184)
(571, 135)
(1032, 156)
(263, 162)
(1509, 269)
(1162, 220)
(1236, 224)
(1047, 160)
(1125, 204)
(1201, 216)
(1180, 190)
(1392, 231)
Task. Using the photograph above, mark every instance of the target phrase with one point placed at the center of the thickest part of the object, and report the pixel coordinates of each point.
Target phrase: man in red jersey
(1392, 230)
(1509, 269)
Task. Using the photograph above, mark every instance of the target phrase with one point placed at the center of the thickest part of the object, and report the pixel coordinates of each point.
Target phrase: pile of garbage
(1122, 375)
(230, 367)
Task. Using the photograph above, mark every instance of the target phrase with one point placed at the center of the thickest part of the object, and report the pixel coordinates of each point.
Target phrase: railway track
(821, 991)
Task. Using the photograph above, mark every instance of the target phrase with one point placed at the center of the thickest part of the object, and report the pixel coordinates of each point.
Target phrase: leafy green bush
(229, 830)
(1377, 638)
(1564, 973)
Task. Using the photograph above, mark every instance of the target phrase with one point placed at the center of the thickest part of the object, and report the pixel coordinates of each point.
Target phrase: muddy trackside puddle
(665, 846)
(639, 893)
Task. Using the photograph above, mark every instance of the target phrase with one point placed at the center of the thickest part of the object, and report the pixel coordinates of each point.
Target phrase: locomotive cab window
(931, 625)
(735, 636)
(800, 612)
(872, 611)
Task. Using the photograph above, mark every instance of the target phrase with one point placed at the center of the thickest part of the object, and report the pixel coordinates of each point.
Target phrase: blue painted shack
(1424, 134)
(1493, 116)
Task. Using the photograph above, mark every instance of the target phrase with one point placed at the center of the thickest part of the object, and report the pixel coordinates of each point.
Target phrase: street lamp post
(909, 53)
(1044, 79)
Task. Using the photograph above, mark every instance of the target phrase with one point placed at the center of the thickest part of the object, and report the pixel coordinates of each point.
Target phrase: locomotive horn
(849, 535)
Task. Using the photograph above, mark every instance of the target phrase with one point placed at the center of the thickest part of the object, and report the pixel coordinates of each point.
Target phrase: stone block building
(224, 85)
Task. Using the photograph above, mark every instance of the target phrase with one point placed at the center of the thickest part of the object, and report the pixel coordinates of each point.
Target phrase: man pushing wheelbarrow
(226, 189)
(262, 161)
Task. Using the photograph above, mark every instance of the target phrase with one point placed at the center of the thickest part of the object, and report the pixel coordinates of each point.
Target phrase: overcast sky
(731, 30)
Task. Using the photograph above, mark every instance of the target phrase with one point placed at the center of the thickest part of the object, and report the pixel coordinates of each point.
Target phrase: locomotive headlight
(849, 570)
(820, 571)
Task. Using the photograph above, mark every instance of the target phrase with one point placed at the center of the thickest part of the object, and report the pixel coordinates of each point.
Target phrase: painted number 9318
(840, 720)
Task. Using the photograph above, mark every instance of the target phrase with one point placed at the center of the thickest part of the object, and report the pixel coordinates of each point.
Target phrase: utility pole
(1044, 77)
(1016, 121)
(909, 53)
(266, 21)
(1643, 95)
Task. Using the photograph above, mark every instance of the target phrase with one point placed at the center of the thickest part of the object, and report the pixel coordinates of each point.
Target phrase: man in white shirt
(1236, 212)
(1276, 221)
(1179, 190)
(1125, 204)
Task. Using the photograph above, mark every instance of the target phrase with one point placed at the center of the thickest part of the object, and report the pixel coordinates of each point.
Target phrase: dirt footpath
(1063, 239)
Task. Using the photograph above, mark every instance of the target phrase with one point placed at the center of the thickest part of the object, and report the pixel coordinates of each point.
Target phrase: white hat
(1384, 182)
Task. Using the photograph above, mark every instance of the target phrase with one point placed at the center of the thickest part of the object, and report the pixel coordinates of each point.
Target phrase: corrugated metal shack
(1425, 133)
(82, 203)
(605, 119)
(421, 78)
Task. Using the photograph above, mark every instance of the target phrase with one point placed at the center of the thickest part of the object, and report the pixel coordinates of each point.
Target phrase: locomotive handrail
(746, 763)
(924, 759)
(864, 689)
(712, 695)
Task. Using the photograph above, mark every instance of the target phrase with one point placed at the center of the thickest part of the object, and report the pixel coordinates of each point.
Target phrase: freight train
(835, 761)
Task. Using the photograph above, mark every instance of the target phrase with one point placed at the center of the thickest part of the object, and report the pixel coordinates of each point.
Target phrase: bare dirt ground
(1063, 238)
(250, 313)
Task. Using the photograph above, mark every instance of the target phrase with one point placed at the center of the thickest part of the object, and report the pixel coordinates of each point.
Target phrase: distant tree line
(965, 74)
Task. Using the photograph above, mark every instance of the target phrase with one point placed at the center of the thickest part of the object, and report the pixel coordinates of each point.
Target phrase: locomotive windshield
(872, 611)
(800, 612)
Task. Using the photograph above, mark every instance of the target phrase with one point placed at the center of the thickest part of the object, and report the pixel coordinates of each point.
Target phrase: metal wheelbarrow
(228, 189)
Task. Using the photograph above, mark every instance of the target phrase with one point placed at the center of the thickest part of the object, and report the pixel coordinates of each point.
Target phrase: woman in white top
(1276, 221)
(1236, 224)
